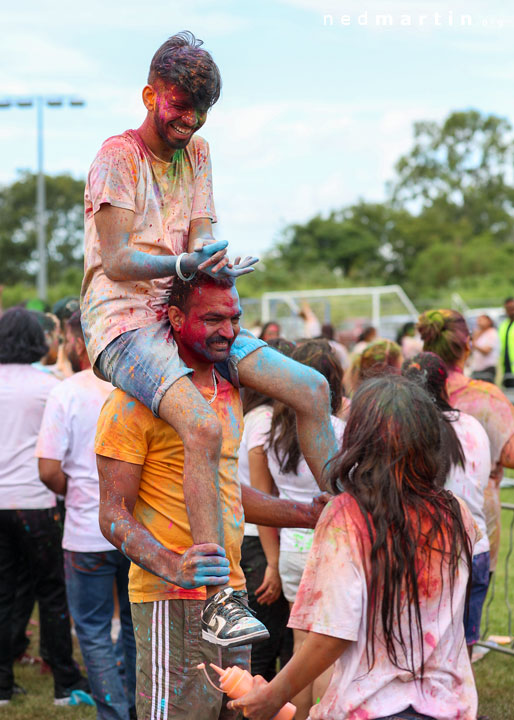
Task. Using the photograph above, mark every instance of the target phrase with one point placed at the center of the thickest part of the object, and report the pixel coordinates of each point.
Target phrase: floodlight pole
(40, 101)
(42, 272)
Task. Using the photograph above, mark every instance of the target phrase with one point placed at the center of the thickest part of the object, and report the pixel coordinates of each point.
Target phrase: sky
(318, 97)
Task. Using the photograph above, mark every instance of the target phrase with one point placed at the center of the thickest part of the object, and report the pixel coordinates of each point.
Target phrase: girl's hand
(258, 704)
(269, 590)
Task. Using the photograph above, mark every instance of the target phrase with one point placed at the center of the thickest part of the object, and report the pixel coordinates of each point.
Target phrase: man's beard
(74, 362)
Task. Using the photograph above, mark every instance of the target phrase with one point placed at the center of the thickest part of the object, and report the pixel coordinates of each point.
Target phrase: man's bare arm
(121, 261)
(507, 456)
(51, 475)
(200, 565)
(263, 509)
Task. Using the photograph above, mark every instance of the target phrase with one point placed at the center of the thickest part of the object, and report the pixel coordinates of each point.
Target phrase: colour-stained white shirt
(255, 434)
(298, 487)
(23, 393)
(332, 600)
(68, 434)
(470, 482)
(165, 197)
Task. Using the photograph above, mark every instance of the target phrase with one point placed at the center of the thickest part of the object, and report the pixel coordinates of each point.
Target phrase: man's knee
(314, 392)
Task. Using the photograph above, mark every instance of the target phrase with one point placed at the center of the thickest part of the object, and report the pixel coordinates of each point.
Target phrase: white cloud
(129, 14)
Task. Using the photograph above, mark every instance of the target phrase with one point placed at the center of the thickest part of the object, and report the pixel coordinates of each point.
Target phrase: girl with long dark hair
(295, 482)
(260, 549)
(384, 588)
(465, 443)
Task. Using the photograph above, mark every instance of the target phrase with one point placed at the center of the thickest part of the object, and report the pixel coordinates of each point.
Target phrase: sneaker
(6, 695)
(69, 695)
(227, 621)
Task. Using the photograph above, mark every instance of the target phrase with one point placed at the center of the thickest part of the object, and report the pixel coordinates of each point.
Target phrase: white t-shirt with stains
(165, 197)
(298, 487)
(23, 393)
(68, 434)
(469, 482)
(333, 599)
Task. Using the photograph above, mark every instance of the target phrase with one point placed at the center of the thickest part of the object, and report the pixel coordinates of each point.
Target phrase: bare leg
(305, 391)
(184, 408)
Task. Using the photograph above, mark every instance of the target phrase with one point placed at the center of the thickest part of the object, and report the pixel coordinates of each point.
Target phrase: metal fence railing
(486, 622)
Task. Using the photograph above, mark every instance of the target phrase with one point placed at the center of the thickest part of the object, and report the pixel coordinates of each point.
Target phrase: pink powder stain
(170, 525)
(360, 714)
(430, 639)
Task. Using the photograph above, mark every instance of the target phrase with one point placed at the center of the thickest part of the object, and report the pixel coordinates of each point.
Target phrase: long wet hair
(283, 439)
(390, 463)
(445, 333)
(430, 372)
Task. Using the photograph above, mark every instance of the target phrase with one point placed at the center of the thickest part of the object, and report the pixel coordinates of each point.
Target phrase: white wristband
(185, 278)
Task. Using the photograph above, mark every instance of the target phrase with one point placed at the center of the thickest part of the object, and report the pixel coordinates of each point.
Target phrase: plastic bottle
(236, 682)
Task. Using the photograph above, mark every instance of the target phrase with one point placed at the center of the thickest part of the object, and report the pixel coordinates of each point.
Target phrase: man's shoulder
(118, 401)
(83, 383)
(124, 144)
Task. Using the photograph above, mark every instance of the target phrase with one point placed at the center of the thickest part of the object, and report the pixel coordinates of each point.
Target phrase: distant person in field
(445, 332)
(506, 333)
(485, 350)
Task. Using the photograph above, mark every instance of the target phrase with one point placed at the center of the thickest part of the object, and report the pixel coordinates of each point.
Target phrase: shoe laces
(234, 608)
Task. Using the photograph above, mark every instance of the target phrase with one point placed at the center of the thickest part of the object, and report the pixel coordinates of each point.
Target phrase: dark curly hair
(181, 290)
(22, 339)
(181, 61)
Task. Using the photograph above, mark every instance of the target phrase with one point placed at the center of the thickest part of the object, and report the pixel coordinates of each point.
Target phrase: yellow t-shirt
(128, 431)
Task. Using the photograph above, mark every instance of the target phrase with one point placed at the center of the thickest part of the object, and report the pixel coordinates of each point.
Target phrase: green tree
(460, 170)
(18, 229)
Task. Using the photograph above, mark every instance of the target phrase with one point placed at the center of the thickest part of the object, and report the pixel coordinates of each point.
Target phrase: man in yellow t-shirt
(143, 512)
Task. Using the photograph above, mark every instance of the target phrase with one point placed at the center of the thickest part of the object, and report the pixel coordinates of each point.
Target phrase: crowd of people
(325, 516)
(350, 598)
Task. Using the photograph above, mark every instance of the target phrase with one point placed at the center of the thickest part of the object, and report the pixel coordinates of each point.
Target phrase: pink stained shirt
(165, 197)
(486, 402)
(332, 600)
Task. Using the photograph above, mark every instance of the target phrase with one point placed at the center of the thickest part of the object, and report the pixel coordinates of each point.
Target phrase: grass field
(494, 673)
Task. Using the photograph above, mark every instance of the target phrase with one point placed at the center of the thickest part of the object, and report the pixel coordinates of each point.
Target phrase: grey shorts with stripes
(169, 647)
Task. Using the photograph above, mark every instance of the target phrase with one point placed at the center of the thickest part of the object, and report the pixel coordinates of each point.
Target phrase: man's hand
(200, 565)
(269, 590)
(318, 505)
(212, 259)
